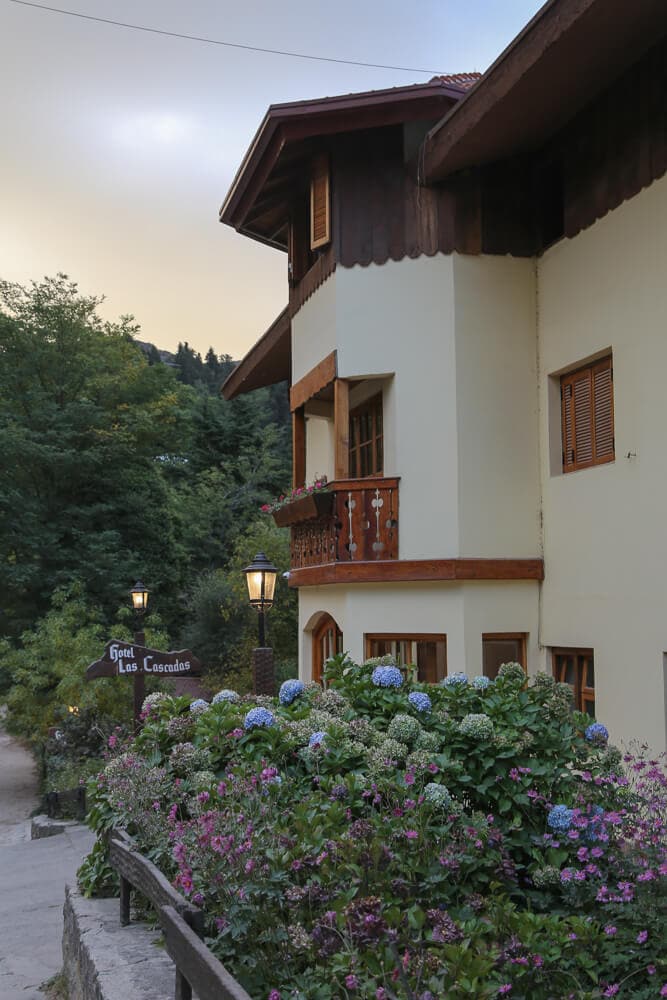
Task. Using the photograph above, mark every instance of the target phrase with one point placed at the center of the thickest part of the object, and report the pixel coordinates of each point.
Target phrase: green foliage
(118, 467)
(344, 866)
(222, 626)
(48, 670)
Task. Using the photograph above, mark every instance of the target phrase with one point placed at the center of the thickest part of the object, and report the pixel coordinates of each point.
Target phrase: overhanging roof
(255, 202)
(567, 54)
(268, 362)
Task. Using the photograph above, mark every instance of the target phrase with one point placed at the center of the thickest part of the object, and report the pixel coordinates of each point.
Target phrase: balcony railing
(362, 525)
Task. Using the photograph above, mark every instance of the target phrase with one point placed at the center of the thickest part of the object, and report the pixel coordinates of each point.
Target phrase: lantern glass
(139, 597)
(261, 580)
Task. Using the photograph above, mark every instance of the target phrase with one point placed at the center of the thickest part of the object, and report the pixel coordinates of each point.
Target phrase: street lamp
(139, 595)
(261, 580)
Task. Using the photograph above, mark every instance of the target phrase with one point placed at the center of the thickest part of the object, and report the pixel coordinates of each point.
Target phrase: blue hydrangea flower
(225, 695)
(560, 819)
(386, 677)
(316, 739)
(420, 701)
(289, 690)
(480, 683)
(198, 706)
(597, 733)
(258, 717)
(455, 680)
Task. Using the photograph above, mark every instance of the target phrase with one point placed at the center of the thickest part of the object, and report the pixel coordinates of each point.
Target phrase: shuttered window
(587, 414)
(320, 221)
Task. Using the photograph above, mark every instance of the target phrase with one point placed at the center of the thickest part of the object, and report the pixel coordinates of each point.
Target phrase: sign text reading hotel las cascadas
(125, 658)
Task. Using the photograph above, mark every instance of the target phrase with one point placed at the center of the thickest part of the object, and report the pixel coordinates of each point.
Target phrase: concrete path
(33, 874)
(18, 791)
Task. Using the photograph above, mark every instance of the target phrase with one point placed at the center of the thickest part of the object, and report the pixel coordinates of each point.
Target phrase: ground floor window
(575, 667)
(425, 651)
(327, 641)
(502, 647)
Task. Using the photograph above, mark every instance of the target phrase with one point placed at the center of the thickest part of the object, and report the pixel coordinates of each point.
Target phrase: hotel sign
(128, 659)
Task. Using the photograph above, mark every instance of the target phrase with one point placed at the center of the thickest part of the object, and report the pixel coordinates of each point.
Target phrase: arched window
(327, 641)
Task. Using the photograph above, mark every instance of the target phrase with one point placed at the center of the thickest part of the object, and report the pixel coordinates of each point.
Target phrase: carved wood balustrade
(362, 525)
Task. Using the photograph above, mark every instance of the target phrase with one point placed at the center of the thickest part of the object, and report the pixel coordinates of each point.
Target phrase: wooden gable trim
(569, 52)
(417, 571)
(313, 381)
(284, 124)
(267, 363)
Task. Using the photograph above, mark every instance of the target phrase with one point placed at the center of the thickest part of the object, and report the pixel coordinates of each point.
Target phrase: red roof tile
(462, 80)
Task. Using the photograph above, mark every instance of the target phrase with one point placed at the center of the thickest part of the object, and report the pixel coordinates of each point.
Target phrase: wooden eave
(268, 362)
(566, 55)
(257, 202)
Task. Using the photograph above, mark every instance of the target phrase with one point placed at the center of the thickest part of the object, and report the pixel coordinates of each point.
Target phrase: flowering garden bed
(385, 840)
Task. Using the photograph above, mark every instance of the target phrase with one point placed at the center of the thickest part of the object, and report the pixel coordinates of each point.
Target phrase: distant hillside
(150, 350)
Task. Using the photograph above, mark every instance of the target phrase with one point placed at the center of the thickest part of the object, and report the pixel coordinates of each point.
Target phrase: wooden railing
(197, 968)
(362, 525)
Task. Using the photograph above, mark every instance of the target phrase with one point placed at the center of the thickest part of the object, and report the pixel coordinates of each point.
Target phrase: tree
(84, 421)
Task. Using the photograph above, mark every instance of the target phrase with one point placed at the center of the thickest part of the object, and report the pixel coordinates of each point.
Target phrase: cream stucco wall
(461, 611)
(460, 429)
(496, 393)
(605, 543)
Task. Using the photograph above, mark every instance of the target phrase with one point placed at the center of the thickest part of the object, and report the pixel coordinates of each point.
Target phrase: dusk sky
(118, 146)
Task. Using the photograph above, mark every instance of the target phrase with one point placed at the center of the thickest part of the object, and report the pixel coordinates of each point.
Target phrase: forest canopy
(117, 466)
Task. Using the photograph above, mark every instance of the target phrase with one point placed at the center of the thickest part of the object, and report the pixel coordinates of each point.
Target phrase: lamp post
(261, 580)
(139, 595)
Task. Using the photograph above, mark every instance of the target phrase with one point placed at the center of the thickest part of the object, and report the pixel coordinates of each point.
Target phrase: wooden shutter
(603, 410)
(587, 416)
(320, 221)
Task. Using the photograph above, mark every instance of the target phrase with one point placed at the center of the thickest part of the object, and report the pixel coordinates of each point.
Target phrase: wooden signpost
(129, 659)
(133, 659)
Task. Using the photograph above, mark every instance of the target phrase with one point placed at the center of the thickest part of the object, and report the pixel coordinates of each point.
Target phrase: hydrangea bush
(354, 843)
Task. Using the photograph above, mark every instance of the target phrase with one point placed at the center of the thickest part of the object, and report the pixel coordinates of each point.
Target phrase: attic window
(320, 212)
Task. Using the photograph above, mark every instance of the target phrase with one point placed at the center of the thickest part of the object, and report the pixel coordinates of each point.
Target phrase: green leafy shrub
(498, 847)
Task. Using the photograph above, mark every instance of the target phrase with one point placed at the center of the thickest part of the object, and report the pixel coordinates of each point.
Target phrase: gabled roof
(569, 52)
(256, 199)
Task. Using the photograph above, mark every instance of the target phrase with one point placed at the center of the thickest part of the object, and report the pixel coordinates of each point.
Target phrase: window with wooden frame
(575, 667)
(327, 641)
(587, 415)
(502, 647)
(426, 651)
(320, 202)
(366, 439)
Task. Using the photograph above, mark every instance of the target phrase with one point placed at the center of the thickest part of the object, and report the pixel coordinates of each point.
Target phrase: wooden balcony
(362, 525)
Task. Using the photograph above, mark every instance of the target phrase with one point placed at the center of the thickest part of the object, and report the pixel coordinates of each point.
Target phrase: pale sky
(118, 146)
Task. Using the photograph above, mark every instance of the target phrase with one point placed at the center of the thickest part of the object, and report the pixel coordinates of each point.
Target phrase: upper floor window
(366, 448)
(587, 415)
(320, 203)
